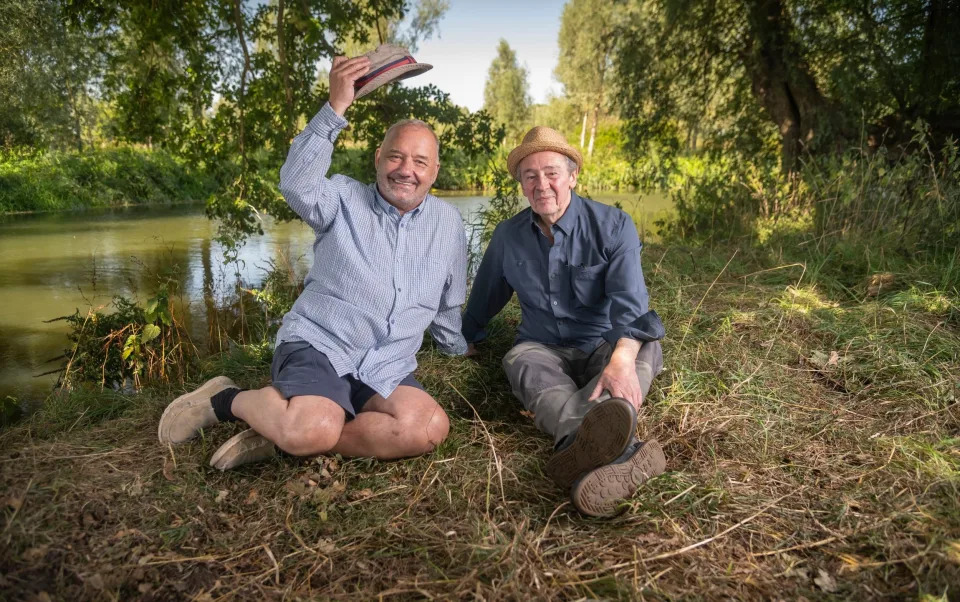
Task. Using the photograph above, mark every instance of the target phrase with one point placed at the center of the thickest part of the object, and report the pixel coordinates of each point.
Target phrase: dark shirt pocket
(588, 284)
(523, 276)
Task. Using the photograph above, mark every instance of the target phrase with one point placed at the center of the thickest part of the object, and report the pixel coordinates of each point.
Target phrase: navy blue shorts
(299, 369)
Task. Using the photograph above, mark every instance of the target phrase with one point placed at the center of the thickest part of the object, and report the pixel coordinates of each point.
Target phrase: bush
(50, 181)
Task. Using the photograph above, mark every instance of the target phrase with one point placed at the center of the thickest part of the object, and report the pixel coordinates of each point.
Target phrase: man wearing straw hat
(587, 348)
(389, 263)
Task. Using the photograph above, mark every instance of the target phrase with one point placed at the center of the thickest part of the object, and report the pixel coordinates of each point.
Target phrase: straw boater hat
(538, 139)
(388, 63)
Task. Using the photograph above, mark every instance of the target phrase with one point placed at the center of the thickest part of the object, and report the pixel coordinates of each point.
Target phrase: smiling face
(407, 166)
(547, 181)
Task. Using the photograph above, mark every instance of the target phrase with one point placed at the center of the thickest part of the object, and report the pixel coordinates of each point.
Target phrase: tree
(46, 68)
(587, 40)
(805, 71)
(505, 93)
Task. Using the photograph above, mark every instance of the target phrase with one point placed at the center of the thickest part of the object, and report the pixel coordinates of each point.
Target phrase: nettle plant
(122, 349)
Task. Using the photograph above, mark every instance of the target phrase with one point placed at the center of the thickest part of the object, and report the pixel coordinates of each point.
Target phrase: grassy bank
(57, 181)
(811, 427)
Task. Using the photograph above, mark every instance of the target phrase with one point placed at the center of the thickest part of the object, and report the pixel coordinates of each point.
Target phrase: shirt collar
(568, 220)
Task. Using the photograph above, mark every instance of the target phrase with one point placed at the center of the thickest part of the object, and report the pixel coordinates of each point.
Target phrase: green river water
(54, 264)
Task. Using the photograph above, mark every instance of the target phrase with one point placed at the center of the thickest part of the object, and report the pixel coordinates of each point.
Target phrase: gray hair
(571, 167)
(412, 123)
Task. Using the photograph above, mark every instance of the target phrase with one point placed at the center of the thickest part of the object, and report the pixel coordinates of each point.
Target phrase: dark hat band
(407, 60)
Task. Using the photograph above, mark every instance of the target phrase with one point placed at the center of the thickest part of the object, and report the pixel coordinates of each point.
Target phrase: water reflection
(54, 264)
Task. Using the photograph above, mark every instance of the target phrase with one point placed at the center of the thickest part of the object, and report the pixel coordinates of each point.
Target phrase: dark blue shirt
(585, 288)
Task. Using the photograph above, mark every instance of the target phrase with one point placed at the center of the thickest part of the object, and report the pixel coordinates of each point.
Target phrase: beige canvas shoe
(246, 447)
(187, 414)
(603, 435)
(600, 492)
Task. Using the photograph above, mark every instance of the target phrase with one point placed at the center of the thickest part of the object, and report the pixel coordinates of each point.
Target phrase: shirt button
(553, 275)
(554, 302)
(519, 263)
(393, 321)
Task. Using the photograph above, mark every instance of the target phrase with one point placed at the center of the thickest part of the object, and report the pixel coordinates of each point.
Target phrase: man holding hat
(389, 263)
(587, 348)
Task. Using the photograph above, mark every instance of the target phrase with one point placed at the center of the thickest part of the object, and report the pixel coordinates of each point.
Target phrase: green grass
(57, 181)
(811, 431)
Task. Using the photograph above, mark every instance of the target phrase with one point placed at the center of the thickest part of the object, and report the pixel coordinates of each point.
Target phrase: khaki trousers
(554, 382)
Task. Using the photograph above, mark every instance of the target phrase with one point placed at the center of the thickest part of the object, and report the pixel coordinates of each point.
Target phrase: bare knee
(298, 440)
(424, 431)
(310, 430)
(437, 429)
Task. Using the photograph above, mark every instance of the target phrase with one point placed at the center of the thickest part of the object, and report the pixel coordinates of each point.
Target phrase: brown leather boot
(187, 414)
(603, 435)
(600, 492)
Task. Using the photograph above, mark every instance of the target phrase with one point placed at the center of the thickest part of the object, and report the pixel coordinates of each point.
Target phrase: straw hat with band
(388, 63)
(542, 138)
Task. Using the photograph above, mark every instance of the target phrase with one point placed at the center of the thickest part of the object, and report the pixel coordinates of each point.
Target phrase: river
(54, 264)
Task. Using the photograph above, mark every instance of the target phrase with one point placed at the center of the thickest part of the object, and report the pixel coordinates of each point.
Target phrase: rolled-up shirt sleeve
(630, 315)
(303, 180)
(446, 326)
(490, 291)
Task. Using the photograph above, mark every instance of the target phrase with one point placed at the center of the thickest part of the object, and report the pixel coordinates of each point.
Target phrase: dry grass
(812, 446)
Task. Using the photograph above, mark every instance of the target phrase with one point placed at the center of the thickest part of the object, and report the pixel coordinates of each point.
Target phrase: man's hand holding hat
(342, 77)
(354, 78)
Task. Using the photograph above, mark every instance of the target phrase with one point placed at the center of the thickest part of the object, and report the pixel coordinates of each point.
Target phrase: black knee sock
(222, 403)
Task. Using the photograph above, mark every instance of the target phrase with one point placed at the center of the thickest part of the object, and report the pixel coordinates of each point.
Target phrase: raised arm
(303, 180)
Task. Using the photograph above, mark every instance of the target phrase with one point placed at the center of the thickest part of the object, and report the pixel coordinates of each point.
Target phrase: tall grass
(869, 209)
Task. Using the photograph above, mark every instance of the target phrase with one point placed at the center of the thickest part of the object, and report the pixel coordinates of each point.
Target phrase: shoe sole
(601, 438)
(216, 461)
(600, 492)
(179, 404)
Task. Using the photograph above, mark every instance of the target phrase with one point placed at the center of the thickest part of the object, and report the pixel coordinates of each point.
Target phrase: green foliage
(47, 181)
(506, 203)
(505, 92)
(124, 348)
(864, 210)
(730, 75)
(46, 67)
(281, 286)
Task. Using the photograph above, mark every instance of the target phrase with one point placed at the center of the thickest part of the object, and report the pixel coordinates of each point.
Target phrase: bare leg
(407, 423)
(306, 425)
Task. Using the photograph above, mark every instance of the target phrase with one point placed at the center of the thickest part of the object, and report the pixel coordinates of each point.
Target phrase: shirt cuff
(456, 347)
(646, 328)
(472, 331)
(327, 123)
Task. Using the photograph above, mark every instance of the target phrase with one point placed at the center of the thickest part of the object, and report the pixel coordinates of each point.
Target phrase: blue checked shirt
(379, 279)
(584, 289)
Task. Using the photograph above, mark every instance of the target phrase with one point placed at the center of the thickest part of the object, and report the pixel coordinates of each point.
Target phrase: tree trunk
(583, 130)
(238, 23)
(285, 77)
(782, 82)
(593, 128)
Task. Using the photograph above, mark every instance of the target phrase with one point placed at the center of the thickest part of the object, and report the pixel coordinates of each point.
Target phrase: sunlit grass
(809, 432)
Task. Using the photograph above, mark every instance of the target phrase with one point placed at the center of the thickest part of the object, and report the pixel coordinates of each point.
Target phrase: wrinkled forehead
(543, 160)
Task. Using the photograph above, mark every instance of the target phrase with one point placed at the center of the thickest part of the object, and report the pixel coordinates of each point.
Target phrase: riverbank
(811, 429)
(109, 177)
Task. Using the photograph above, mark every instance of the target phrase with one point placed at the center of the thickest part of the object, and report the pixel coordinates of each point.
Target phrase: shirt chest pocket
(427, 284)
(523, 276)
(588, 283)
